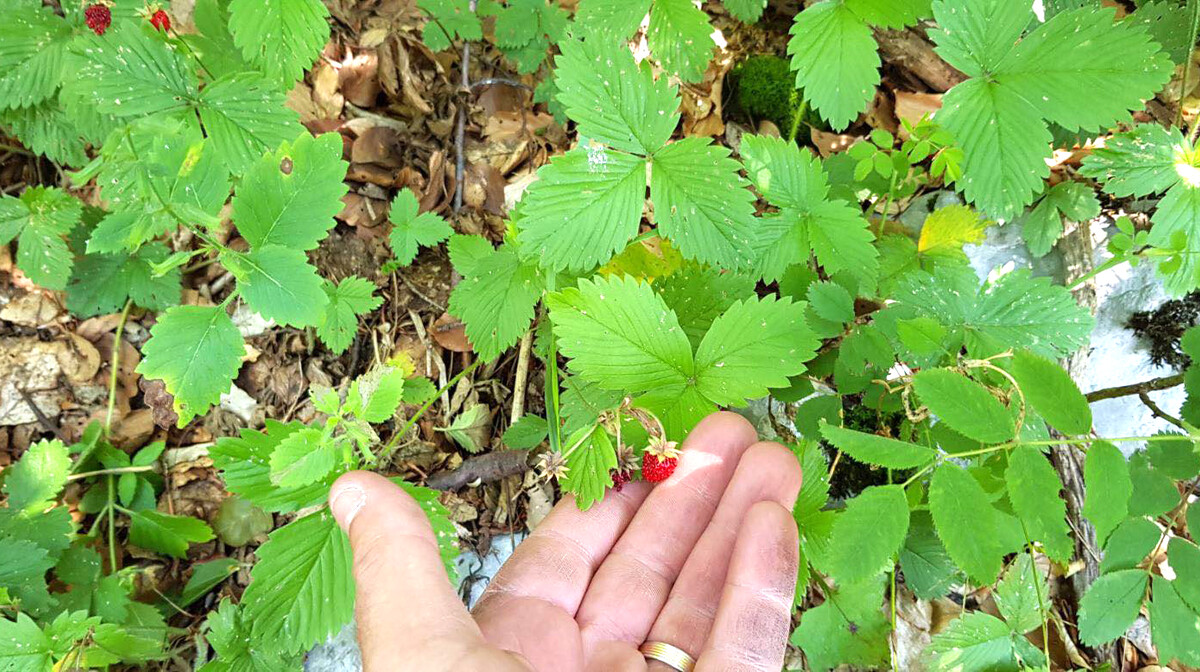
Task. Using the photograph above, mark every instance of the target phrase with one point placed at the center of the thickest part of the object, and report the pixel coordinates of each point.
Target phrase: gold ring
(676, 658)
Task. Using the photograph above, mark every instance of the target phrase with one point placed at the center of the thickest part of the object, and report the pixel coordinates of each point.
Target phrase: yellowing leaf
(946, 230)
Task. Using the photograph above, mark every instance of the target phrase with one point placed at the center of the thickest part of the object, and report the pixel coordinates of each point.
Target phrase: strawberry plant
(654, 278)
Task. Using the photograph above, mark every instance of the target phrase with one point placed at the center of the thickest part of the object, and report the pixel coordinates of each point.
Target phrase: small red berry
(656, 469)
(619, 479)
(98, 17)
(161, 20)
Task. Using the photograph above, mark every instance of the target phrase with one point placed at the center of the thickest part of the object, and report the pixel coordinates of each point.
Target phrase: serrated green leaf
(468, 426)
(1167, 24)
(928, 570)
(1139, 162)
(245, 116)
(279, 284)
(38, 220)
(213, 42)
(746, 11)
(24, 647)
(47, 129)
(877, 450)
(281, 38)
(289, 196)
(1129, 544)
(961, 511)
(23, 567)
(946, 230)
(699, 295)
(1174, 628)
(196, 351)
(131, 72)
(33, 41)
(849, 628)
(1176, 459)
(867, 535)
(1108, 488)
(679, 35)
(921, 335)
(302, 458)
(101, 283)
(33, 483)
(418, 390)
(529, 431)
(889, 13)
(1023, 596)
(164, 533)
(1178, 214)
(1110, 606)
(302, 589)
(831, 302)
(834, 56)
(466, 252)
(974, 641)
(755, 345)
(1153, 491)
(584, 207)
(620, 335)
(496, 301)
(612, 99)
(701, 203)
(451, 19)
(964, 405)
(244, 464)
(351, 297)
(228, 634)
(588, 466)
(411, 231)
(1185, 560)
(375, 395)
(1033, 488)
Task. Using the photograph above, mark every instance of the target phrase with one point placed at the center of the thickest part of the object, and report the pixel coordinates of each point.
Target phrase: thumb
(405, 602)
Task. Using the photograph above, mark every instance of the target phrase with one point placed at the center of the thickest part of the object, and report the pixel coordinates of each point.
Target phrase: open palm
(705, 561)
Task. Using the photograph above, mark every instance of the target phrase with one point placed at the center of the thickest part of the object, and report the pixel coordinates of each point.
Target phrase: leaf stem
(115, 365)
(112, 527)
(111, 472)
(391, 444)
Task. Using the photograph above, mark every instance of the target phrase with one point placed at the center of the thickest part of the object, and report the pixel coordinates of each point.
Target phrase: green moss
(851, 476)
(764, 87)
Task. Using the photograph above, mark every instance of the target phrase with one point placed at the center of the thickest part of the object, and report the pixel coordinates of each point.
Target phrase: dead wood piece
(911, 51)
(486, 468)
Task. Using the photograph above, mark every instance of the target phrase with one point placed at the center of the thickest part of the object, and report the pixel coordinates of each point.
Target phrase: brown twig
(522, 378)
(460, 161)
(486, 468)
(1158, 412)
(1152, 385)
(45, 422)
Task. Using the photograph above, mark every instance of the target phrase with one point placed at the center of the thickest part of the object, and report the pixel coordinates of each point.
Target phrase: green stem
(112, 527)
(395, 440)
(111, 472)
(114, 366)
(1187, 66)
(796, 118)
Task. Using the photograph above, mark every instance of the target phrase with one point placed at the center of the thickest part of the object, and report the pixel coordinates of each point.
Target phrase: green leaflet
(1043, 224)
(1153, 491)
(411, 231)
(699, 295)
(301, 458)
(964, 405)
(281, 38)
(196, 351)
(980, 641)
(454, 19)
(679, 33)
(131, 72)
(868, 533)
(244, 115)
(496, 298)
(589, 466)
(1052, 393)
(101, 283)
(1033, 488)
(1129, 544)
(1173, 626)
(228, 634)
(878, 450)
(280, 284)
(1110, 605)
(849, 628)
(351, 297)
(1178, 460)
(834, 56)
(1138, 162)
(34, 43)
(962, 512)
(243, 461)
(928, 570)
(33, 483)
(38, 220)
(1185, 560)
(1023, 596)
(1108, 486)
(165, 533)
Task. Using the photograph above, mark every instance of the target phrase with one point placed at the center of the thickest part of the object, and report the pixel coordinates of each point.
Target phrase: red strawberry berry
(656, 469)
(161, 20)
(619, 479)
(98, 17)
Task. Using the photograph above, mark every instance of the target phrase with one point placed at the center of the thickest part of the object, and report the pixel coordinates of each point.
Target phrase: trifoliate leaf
(302, 458)
(281, 38)
(245, 116)
(1176, 459)
(33, 483)
(755, 345)
(351, 297)
(1173, 626)
(699, 295)
(1108, 488)
(834, 56)
(279, 284)
(1033, 489)
(1185, 560)
(1129, 544)
(702, 204)
(928, 570)
(229, 636)
(1043, 225)
(961, 511)
(867, 535)
(38, 220)
(1153, 491)
(620, 335)
(302, 589)
(1110, 606)
(101, 283)
(831, 302)
(588, 466)
(964, 405)
(946, 230)
(496, 301)
(1023, 596)
(746, 11)
(34, 43)
(289, 196)
(244, 463)
(849, 628)
(129, 72)
(1052, 393)
(680, 37)
(877, 450)
(450, 20)
(975, 641)
(411, 231)
(164, 533)
(614, 100)
(529, 431)
(584, 207)
(1139, 162)
(196, 351)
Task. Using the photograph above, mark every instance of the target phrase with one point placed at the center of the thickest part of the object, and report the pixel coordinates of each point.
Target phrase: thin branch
(1159, 413)
(460, 160)
(493, 81)
(1152, 385)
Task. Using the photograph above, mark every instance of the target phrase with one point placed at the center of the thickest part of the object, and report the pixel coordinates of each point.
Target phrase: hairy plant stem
(395, 440)
(114, 366)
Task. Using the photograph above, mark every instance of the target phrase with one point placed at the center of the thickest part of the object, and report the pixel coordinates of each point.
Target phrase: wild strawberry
(160, 20)
(659, 460)
(619, 479)
(98, 17)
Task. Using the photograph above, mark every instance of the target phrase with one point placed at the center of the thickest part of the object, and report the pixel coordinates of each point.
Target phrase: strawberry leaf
(38, 220)
(348, 299)
(496, 300)
(281, 38)
(410, 230)
(196, 351)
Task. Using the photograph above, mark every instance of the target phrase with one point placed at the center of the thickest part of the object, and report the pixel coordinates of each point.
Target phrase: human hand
(705, 561)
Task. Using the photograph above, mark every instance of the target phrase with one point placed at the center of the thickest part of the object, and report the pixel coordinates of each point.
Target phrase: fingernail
(346, 503)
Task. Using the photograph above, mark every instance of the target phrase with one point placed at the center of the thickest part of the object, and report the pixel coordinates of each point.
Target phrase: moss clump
(851, 476)
(1164, 326)
(764, 87)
